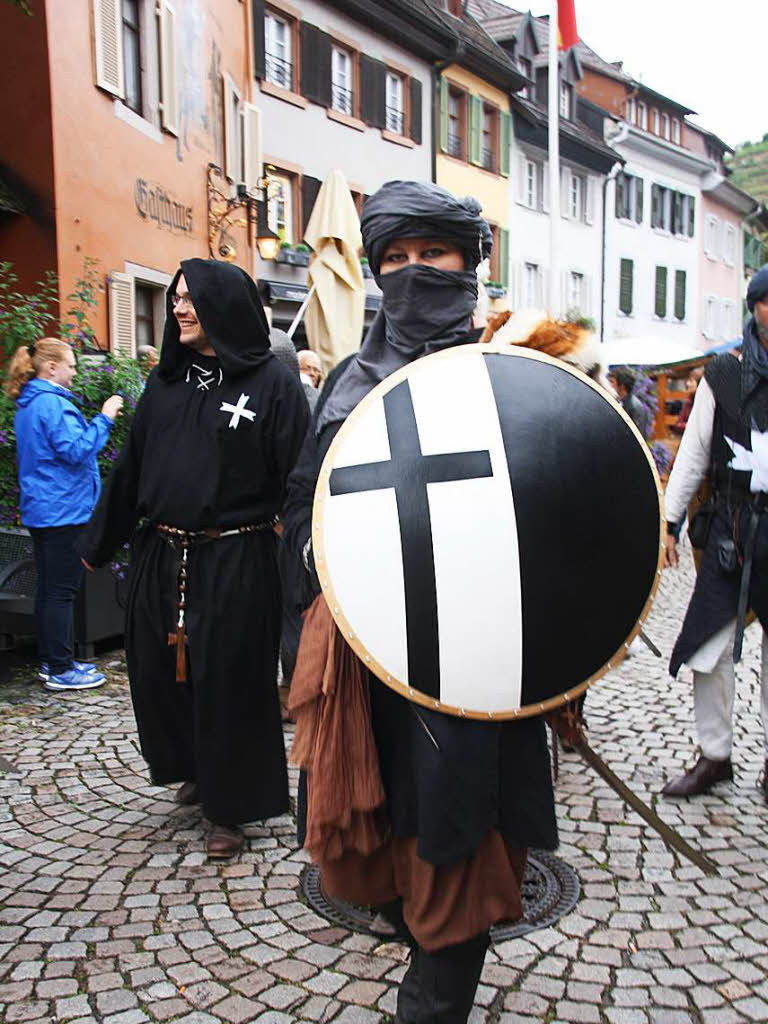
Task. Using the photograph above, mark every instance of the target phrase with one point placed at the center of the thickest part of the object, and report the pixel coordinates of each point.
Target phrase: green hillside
(750, 168)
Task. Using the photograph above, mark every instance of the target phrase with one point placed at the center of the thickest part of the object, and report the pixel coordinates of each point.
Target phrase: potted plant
(301, 254)
(23, 319)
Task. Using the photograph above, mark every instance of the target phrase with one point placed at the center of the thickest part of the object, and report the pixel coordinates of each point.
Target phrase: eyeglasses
(178, 300)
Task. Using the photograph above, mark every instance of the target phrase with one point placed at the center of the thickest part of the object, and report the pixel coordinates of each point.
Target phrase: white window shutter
(521, 179)
(168, 77)
(252, 144)
(122, 314)
(230, 147)
(565, 188)
(108, 46)
(589, 200)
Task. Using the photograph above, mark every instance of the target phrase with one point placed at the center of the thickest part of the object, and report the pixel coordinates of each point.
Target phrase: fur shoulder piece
(559, 339)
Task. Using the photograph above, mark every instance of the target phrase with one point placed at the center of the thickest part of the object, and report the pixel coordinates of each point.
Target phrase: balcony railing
(278, 71)
(395, 120)
(455, 145)
(341, 99)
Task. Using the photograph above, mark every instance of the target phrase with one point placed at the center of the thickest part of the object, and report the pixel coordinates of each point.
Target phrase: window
(660, 293)
(729, 326)
(629, 197)
(676, 131)
(233, 132)
(626, 275)
(711, 233)
(145, 314)
(341, 80)
(457, 107)
(489, 145)
(280, 206)
(278, 50)
(566, 100)
(576, 291)
(710, 317)
(132, 54)
(672, 211)
(525, 67)
(680, 294)
(395, 104)
(665, 126)
(655, 122)
(576, 196)
(642, 116)
(533, 184)
(531, 285)
(729, 245)
(631, 111)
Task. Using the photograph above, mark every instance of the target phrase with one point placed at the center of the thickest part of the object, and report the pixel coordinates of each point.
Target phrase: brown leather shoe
(224, 841)
(701, 778)
(188, 794)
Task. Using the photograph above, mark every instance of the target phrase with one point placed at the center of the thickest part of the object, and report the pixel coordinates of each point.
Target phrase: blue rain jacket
(56, 451)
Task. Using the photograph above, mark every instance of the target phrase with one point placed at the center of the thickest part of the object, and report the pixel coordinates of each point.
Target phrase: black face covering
(426, 308)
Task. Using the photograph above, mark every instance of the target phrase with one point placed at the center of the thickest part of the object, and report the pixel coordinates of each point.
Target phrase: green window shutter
(660, 302)
(504, 256)
(443, 115)
(655, 205)
(475, 130)
(691, 216)
(505, 142)
(625, 286)
(639, 200)
(680, 294)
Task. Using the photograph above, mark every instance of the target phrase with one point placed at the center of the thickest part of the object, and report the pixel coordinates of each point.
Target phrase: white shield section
(362, 545)
(474, 538)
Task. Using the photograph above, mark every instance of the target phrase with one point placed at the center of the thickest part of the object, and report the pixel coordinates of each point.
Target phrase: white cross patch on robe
(754, 462)
(238, 411)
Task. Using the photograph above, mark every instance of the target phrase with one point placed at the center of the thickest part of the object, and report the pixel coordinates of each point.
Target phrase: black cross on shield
(408, 472)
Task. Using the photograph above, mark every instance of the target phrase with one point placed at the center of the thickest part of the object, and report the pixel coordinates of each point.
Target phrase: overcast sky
(710, 57)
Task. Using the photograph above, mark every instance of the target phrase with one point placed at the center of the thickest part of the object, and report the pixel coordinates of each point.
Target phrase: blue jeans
(59, 572)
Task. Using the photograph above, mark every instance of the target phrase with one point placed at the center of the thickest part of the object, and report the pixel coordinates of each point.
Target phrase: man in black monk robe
(203, 476)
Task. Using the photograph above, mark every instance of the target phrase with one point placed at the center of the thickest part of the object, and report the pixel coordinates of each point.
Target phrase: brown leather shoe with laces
(188, 794)
(701, 778)
(224, 841)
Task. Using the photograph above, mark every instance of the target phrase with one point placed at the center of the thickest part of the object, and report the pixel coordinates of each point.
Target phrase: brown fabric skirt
(441, 905)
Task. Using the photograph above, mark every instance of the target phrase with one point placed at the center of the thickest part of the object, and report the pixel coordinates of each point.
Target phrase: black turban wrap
(758, 288)
(424, 309)
(420, 209)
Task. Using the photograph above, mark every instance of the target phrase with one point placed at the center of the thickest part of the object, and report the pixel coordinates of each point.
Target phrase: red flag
(566, 24)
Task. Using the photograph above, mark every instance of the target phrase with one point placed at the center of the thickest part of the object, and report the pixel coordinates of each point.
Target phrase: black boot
(447, 981)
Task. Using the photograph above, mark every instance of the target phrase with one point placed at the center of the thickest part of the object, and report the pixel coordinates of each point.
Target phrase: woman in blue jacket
(56, 450)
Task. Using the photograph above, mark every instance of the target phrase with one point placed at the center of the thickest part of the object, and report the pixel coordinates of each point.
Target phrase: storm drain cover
(550, 890)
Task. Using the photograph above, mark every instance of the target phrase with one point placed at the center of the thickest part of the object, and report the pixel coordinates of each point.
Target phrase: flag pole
(554, 157)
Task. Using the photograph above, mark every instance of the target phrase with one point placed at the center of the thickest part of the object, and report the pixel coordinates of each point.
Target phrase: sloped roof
(480, 43)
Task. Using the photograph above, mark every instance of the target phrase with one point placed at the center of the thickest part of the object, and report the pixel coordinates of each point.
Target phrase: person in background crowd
(56, 449)
(214, 437)
(724, 437)
(311, 371)
(623, 382)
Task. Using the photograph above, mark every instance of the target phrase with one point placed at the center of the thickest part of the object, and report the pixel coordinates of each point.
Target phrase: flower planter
(295, 259)
(98, 614)
(495, 293)
(367, 272)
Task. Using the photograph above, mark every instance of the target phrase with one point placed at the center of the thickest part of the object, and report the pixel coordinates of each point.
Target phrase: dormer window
(631, 113)
(665, 126)
(676, 131)
(642, 116)
(525, 67)
(566, 100)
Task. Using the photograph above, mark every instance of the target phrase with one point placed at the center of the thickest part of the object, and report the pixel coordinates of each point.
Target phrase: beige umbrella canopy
(334, 316)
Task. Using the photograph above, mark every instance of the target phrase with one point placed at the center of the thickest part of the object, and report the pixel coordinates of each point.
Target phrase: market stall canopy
(334, 316)
(649, 352)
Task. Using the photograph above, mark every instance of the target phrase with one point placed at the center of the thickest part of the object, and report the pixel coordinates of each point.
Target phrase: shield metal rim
(343, 624)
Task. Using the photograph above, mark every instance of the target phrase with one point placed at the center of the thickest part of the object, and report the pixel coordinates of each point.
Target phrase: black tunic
(485, 775)
(191, 464)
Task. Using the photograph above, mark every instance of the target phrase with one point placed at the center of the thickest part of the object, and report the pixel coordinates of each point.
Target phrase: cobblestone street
(109, 911)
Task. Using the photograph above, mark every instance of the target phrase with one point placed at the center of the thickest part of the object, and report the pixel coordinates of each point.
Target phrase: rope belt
(182, 541)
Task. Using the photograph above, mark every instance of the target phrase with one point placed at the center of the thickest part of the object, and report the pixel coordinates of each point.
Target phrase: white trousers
(713, 694)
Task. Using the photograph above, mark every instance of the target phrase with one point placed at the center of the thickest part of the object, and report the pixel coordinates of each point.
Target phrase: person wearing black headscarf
(463, 799)
(725, 437)
(198, 488)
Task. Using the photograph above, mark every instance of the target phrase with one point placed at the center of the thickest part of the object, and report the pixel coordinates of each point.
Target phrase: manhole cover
(550, 890)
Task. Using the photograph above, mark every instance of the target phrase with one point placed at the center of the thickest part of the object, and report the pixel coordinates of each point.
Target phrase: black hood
(229, 309)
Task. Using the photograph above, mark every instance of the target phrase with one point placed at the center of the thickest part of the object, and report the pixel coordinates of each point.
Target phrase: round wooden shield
(487, 530)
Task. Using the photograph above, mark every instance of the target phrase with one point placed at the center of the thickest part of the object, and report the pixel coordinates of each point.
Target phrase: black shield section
(587, 514)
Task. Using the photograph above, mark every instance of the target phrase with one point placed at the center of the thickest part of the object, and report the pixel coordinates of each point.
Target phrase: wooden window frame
(405, 80)
(495, 112)
(463, 97)
(137, 32)
(353, 53)
(293, 176)
(292, 21)
(495, 258)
